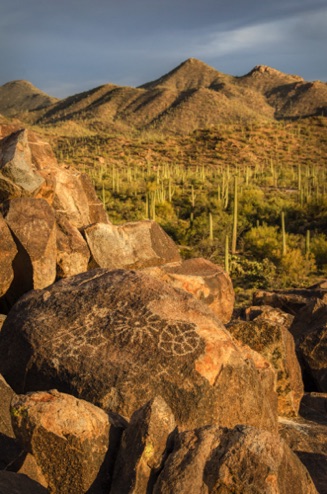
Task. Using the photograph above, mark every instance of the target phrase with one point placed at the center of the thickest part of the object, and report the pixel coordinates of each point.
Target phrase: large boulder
(310, 334)
(203, 279)
(268, 334)
(243, 460)
(68, 438)
(308, 439)
(8, 251)
(119, 338)
(18, 175)
(143, 448)
(130, 246)
(32, 222)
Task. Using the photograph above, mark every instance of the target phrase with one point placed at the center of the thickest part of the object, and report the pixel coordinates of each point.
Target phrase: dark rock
(309, 441)
(9, 449)
(15, 483)
(120, 338)
(8, 252)
(68, 438)
(143, 447)
(243, 460)
(268, 334)
(310, 333)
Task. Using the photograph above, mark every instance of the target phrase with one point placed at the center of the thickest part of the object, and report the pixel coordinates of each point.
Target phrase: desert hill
(191, 96)
(17, 97)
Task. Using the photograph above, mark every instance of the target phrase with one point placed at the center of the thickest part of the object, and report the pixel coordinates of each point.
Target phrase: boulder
(32, 222)
(308, 439)
(130, 246)
(310, 334)
(68, 438)
(72, 251)
(203, 279)
(314, 407)
(18, 175)
(143, 448)
(119, 338)
(8, 251)
(9, 449)
(15, 483)
(243, 460)
(28, 168)
(290, 301)
(268, 334)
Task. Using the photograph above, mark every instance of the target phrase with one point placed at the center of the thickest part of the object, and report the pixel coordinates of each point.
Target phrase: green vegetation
(257, 189)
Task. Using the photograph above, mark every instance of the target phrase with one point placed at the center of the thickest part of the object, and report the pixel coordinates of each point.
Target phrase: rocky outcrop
(32, 222)
(268, 334)
(8, 252)
(204, 280)
(243, 460)
(119, 338)
(44, 204)
(18, 175)
(129, 246)
(73, 433)
(143, 448)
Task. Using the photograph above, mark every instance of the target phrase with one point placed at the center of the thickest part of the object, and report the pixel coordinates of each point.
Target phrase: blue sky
(68, 46)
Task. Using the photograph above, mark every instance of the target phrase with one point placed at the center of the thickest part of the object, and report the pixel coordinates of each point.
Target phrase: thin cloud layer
(68, 46)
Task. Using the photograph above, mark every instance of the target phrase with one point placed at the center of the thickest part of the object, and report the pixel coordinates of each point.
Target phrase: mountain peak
(190, 74)
(20, 95)
(265, 70)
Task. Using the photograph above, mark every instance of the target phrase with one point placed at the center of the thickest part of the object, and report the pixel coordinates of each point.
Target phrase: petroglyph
(139, 325)
(127, 325)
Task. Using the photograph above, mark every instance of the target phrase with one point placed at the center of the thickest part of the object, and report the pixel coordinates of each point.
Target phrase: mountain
(191, 74)
(193, 95)
(17, 97)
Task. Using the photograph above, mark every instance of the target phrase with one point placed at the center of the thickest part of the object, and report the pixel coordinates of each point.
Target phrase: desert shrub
(295, 268)
(252, 273)
(318, 247)
(263, 242)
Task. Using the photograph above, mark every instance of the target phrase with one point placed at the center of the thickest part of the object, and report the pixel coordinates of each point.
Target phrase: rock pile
(117, 374)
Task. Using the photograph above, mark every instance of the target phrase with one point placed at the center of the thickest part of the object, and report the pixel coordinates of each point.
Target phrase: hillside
(17, 97)
(191, 96)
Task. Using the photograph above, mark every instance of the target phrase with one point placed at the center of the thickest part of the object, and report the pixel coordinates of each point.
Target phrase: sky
(68, 46)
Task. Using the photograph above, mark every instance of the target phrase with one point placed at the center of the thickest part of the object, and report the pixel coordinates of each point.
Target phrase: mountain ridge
(190, 96)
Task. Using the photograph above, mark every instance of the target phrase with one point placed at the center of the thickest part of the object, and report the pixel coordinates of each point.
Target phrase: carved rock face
(120, 338)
